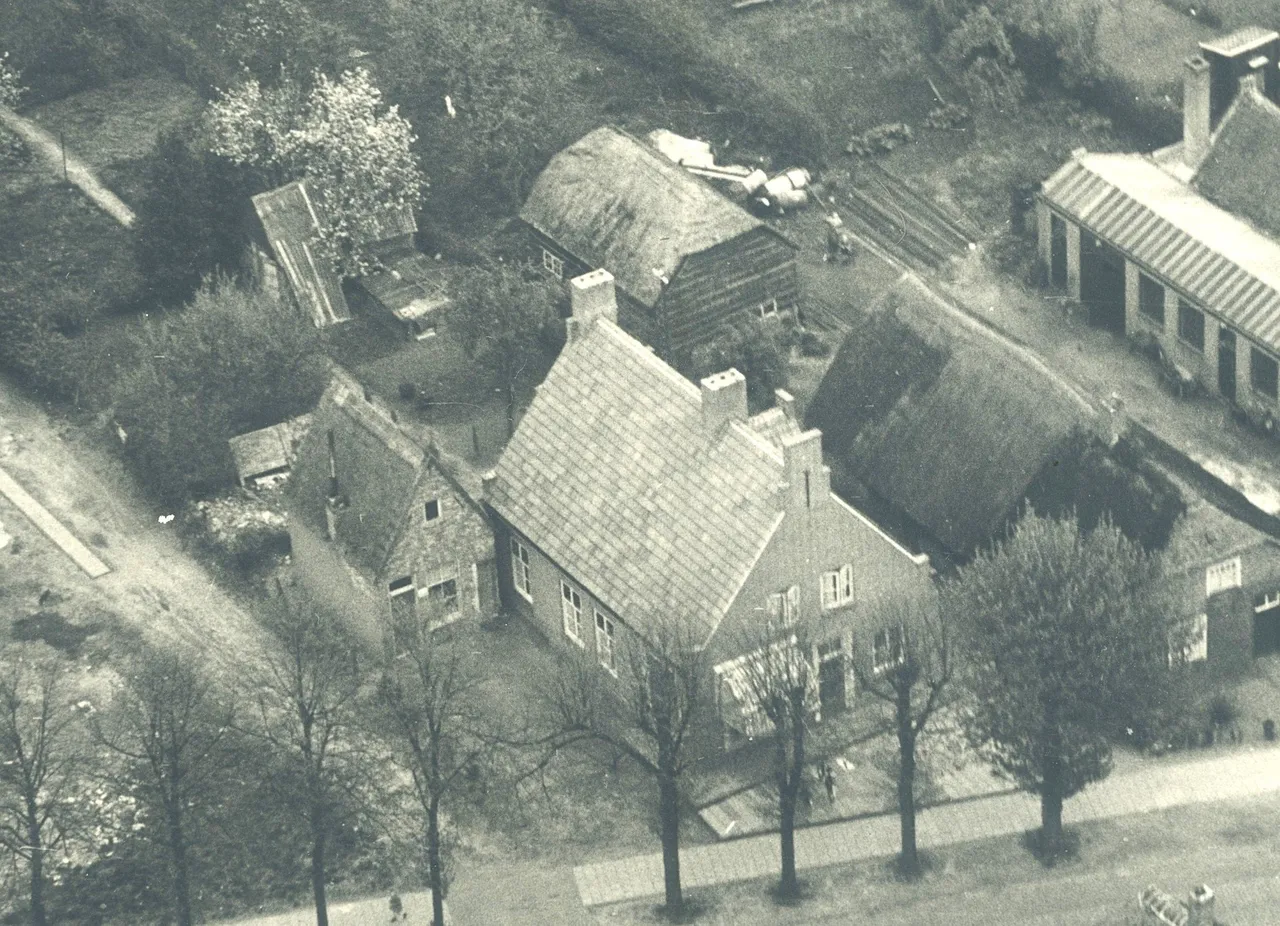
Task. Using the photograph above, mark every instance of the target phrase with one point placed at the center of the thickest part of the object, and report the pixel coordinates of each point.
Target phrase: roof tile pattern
(1218, 260)
(612, 201)
(1239, 174)
(613, 476)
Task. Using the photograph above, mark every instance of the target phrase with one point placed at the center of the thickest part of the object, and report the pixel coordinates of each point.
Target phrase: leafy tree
(429, 690)
(11, 89)
(169, 723)
(783, 685)
(40, 761)
(649, 717)
(916, 677)
(271, 37)
(1062, 630)
(980, 53)
(309, 703)
(355, 151)
(504, 318)
(759, 349)
(190, 218)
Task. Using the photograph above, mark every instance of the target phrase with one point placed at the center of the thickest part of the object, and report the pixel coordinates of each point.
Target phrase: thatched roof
(612, 201)
(943, 422)
(1242, 171)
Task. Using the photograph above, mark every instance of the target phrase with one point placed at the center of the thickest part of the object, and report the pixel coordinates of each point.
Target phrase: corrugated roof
(1241, 172)
(614, 202)
(612, 475)
(290, 219)
(1220, 261)
(1240, 40)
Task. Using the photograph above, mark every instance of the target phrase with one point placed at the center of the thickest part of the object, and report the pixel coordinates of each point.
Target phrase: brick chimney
(1195, 110)
(1255, 80)
(787, 402)
(1200, 906)
(591, 296)
(724, 399)
(808, 480)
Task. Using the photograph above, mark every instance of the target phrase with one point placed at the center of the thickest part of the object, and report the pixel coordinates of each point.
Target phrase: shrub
(812, 344)
(246, 533)
(757, 349)
(979, 52)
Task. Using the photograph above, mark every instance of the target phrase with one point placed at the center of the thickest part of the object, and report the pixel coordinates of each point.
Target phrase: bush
(758, 350)
(813, 344)
(246, 533)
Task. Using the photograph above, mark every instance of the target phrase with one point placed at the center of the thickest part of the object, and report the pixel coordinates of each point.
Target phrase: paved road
(1151, 786)
(47, 148)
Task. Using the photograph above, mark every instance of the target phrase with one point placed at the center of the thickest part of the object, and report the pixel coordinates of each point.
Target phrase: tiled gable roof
(290, 219)
(1242, 170)
(613, 476)
(612, 201)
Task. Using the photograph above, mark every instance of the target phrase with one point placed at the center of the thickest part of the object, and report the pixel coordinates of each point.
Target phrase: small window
(1190, 325)
(520, 569)
(888, 649)
(784, 606)
(769, 309)
(400, 586)
(571, 612)
(837, 587)
(1266, 601)
(443, 596)
(432, 509)
(604, 644)
(1264, 374)
(1195, 648)
(1151, 298)
(552, 264)
(1221, 576)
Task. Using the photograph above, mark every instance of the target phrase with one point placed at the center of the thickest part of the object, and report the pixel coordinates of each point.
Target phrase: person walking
(829, 782)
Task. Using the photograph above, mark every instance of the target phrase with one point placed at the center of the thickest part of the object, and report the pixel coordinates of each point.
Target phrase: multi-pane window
(1222, 576)
(888, 648)
(431, 510)
(552, 264)
(1190, 324)
(784, 606)
(1150, 298)
(443, 596)
(571, 612)
(1194, 647)
(837, 587)
(520, 569)
(1266, 601)
(1264, 373)
(769, 309)
(605, 643)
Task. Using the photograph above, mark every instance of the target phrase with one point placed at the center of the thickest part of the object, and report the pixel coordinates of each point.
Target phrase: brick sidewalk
(1153, 787)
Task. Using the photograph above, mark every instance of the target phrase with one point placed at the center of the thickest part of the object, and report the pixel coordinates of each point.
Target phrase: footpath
(1155, 786)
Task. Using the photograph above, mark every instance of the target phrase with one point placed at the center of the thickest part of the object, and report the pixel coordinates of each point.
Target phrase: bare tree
(782, 685)
(648, 712)
(40, 760)
(170, 724)
(428, 689)
(911, 670)
(308, 705)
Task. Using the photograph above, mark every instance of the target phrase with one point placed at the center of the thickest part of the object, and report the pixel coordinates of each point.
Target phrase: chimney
(787, 402)
(487, 481)
(808, 479)
(1200, 907)
(1195, 111)
(591, 296)
(1254, 80)
(724, 399)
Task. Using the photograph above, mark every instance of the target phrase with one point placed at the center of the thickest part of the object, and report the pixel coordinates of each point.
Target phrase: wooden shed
(687, 260)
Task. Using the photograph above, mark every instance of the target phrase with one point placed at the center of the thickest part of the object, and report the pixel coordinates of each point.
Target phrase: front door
(831, 676)
(1227, 363)
(1058, 251)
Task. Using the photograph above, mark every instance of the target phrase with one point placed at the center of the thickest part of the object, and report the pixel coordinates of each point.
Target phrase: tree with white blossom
(11, 88)
(354, 151)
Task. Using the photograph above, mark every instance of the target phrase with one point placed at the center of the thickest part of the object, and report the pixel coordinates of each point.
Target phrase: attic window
(431, 510)
(552, 264)
(769, 309)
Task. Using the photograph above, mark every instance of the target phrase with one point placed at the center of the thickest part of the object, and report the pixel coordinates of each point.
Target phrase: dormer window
(431, 510)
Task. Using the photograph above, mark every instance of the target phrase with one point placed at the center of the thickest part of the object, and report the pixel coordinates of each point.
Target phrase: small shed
(412, 288)
(290, 218)
(264, 457)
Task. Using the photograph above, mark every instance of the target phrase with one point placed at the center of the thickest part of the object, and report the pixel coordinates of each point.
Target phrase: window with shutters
(888, 648)
(784, 606)
(1194, 647)
(836, 587)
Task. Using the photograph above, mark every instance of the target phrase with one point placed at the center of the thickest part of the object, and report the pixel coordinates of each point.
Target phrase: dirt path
(155, 588)
(46, 147)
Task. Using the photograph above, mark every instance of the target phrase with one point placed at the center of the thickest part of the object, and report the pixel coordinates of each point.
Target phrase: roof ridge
(646, 356)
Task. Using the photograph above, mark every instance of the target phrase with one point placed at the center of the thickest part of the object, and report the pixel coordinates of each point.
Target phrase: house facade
(687, 260)
(629, 496)
(1183, 245)
(395, 509)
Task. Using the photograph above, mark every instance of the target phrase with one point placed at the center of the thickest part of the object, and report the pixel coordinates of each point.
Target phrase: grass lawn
(1230, 846)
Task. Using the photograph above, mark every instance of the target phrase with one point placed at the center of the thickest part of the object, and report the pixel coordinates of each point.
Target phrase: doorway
(1227, 363)
(1266, 623)
(1102, 283)
(831, 676)
(1058, 251)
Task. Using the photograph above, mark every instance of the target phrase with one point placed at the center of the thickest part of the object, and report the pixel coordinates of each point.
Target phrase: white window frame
(1222, 576)
(553, 264)
(521, 571)
(571, 613)
(439, 503)
(1196, 648)
(606, 643)
(836, 587)
(1266, 601)
(784, 606)
(395, 590)
(769, 309)
(882, 662)
(457, 606)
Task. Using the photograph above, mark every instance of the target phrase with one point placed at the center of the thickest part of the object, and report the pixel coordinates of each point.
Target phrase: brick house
(400, 512)
(686, 259)
(1183, 245)
(629, 493)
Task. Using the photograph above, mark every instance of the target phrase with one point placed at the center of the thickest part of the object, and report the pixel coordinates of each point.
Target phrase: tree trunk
(319, 843)
(1051, 811)
(34, 841)
(178, 856)
(669, 817)
(907, 780)
(788, 886)
(434, 869)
